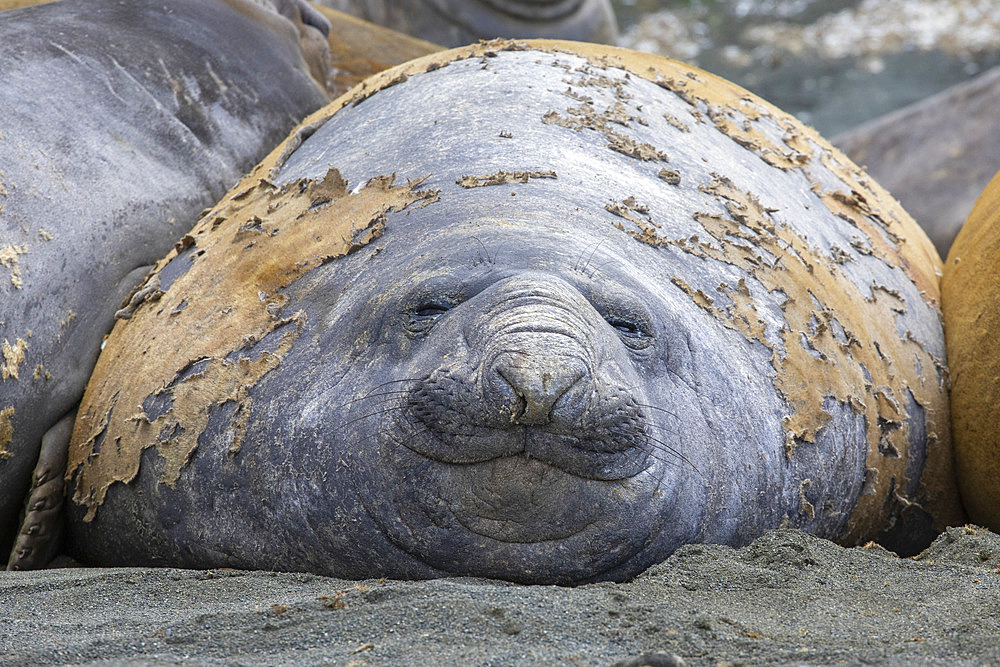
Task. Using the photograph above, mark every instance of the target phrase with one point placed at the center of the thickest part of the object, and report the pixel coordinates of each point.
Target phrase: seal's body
(971, 294)
(581, 306)
(119, 122)
(456, 22)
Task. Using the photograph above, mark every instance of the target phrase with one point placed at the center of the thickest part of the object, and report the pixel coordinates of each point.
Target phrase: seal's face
(526, 401)
(518, 411)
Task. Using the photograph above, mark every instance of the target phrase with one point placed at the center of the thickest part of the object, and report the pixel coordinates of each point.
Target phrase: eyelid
(440, 289)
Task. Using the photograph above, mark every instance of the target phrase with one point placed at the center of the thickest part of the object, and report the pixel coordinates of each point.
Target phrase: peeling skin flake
(8, 258)
(502, 178)
(199, 331)
(13, 355)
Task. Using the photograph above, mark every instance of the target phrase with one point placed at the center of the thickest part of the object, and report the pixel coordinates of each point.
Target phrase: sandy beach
(787, 598)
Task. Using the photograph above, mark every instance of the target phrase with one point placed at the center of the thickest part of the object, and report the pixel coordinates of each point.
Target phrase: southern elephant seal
(119, 123)
(970, 293)
(580, 306)
(456, 22)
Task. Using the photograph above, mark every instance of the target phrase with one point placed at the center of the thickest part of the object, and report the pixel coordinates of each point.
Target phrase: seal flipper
(41, 528)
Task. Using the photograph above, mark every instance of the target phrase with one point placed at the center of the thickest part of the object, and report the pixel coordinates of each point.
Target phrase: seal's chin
(518, 499)
(514, 516)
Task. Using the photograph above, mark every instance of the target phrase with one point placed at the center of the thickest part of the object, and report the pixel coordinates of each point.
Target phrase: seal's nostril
(536, 385)
(516, 402)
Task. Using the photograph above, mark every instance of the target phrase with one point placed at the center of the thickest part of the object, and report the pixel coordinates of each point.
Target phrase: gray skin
(119, 123)
(457, 22)
(504, 383)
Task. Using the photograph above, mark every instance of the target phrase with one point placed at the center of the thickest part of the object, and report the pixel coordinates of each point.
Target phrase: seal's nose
(537, 384)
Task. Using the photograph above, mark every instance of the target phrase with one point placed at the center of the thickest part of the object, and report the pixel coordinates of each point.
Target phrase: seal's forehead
(599, 144)
(605, 133)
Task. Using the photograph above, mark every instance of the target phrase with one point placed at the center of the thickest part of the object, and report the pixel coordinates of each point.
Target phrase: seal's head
(505, 405)
(537, 312)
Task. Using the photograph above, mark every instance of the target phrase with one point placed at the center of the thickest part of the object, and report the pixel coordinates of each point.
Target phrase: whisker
(491, 260)
(657, 407)
(580, 267)
(593, 252)
(667, 448)
(367, 415)
(371, 392)
(367, 396)
(662, 459)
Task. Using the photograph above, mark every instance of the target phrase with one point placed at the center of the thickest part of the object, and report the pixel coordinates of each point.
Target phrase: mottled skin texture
(119, 122)
(607, 305)
(970, 292)
(456, 22)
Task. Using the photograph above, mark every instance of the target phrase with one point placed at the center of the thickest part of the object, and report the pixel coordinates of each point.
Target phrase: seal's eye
(420, 319)
(632, 334)
(432, 310)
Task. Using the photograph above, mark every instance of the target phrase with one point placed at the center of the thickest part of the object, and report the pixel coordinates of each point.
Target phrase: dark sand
(786, 598)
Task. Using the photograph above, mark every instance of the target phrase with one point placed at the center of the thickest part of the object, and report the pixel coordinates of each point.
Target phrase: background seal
(970, 293)
(118, 124)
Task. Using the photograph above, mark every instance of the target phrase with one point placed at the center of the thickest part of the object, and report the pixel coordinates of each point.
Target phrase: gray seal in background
(457, 22)
(119, 123)
(579, 307)
(937, 155)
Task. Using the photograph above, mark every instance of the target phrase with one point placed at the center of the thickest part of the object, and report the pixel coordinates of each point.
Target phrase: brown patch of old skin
(814, 363)
(13, 356)
(971, 301)
(6, 432)
(9, 260)
(503, 178)
(585, 116)
(241, 248)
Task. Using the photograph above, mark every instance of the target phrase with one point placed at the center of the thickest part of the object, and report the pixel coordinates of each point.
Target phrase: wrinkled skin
(119, 122)
(557, 378)
(456, 22)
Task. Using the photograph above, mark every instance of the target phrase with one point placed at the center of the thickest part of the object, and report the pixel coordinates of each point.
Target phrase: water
(832, 63)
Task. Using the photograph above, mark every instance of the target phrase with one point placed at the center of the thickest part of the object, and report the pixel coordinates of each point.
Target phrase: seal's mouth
(601, 435)
(588, 458)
